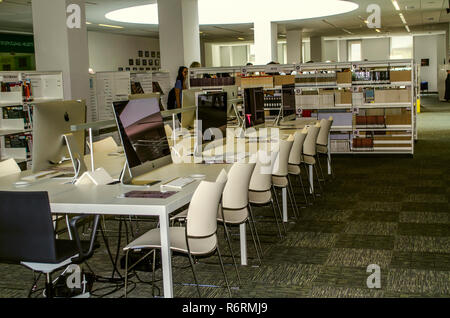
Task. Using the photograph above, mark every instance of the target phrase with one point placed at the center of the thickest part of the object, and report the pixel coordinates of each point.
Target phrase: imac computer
(254, 107)
(189, 101)
(51, 121)
(141, 129)
(147, 96)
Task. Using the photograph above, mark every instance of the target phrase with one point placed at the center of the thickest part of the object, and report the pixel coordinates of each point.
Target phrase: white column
(294, 46)
(179, 34)
(61, 48)
(266, 41)
(316, 48)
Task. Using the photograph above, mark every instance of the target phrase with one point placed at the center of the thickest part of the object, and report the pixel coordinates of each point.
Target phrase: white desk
(67, 198)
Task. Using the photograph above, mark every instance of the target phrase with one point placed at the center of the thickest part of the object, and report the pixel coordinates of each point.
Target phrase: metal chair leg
(279, 209)
(254, 242)
(193, 272)
(228, 239)
(309, 181)
(126, 272)
(318, 180)
(252, 219)
(223, 271)
(320, 168)
(293, 196)
(303, 188)
(276, 218)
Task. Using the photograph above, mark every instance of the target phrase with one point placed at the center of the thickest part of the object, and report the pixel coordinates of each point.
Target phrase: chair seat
(309, 160)
(294, 169)
(177, 236)
(233, 216)
(258, 197)
(280, 182)
(322, 149)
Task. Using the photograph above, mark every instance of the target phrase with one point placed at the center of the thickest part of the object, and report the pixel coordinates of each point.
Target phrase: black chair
(27, 235)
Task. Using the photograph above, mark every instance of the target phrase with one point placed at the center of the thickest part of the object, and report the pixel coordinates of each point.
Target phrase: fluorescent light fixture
(402, 17)
(242, 39)
(88, 22)
(213, 12)
(378, 30)
(395, 3)
(407, 28)
(111, 26)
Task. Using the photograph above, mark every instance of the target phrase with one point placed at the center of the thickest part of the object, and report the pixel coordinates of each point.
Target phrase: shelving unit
(343, 90)
(20, 91)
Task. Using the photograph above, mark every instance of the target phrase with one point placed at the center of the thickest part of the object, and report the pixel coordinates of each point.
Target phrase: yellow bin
(418, 105)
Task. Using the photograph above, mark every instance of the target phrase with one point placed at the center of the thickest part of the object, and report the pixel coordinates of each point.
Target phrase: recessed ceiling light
(395, 3)
(111, 26)
(86, 21)
(378, 30)
(224, 12)
(241, 39)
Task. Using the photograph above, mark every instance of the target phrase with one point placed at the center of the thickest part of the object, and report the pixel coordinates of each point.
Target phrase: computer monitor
(212, 111)
(141, 129)
(51, 120)
(147, 96)
(288, 92)
(189, 100)
(254, 106)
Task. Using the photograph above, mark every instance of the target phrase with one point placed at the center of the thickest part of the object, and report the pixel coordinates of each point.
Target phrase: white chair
(295, 158)
(197, 238)
(310, 154)
(260, 189)
(323, 140)
(235, 204)
(280, 177)
(8, 167)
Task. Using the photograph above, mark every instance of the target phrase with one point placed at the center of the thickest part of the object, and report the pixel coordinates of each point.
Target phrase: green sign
(17, 43)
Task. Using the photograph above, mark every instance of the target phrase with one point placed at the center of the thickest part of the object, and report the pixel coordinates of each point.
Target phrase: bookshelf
(373, 103)
(19, 92)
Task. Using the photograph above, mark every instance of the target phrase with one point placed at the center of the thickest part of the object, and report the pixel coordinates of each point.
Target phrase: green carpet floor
(392, 211)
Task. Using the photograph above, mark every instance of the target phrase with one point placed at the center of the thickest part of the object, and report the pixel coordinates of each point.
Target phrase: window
(401, 47)
(354, 51)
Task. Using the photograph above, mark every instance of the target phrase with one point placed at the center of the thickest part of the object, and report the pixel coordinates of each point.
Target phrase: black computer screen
(254, 106)
(212, 111)
(141, 129)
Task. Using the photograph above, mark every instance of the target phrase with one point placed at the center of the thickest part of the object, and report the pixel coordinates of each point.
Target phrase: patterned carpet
(392, 211)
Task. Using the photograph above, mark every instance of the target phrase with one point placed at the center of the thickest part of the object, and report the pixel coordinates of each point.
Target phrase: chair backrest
(8, 167)
(297, 148)
(309, 147)
(26, 228)
(222, 177)
(202, 212)
(282, 162)
(235, 194)
(261, 179)
(107, 145)
(325, 127)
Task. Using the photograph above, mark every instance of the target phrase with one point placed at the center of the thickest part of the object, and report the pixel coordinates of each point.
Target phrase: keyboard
(177, 184)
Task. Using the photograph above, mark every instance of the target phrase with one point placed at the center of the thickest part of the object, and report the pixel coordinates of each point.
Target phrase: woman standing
(180, 85)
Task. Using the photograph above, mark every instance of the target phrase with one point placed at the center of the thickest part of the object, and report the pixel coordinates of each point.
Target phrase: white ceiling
(421, 15)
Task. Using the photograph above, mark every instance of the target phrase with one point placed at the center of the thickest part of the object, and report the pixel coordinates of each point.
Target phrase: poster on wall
(147, 53)
(150, 62)
(141, 54)
(158, 55)
(425, 62)
(153, 54)
(138, 62)
(156, 62)
(131, 62)
(144, 62)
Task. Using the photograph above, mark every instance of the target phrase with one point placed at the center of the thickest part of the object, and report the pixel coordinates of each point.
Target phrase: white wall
(108, 51)
(429, 47)
(330, 50)
(376, 49)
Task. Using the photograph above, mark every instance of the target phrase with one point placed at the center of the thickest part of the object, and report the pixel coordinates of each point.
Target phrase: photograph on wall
(153, 54)
(131, 62)
(138, 62)
(148, 69)
(144, 62)
(425, 62)
(120, 69)
(158, 55)
(141, 54)
(154, 68)
(147, 53)
(141, 69)
(156, 62)
(150, 62)
(134, 68)
(128, 69)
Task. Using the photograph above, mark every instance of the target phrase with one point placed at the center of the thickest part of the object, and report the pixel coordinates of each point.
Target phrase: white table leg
(243, 238)
(166, 256)
(284, 199)
(311, 179)
(329, 155)
(91, 142)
